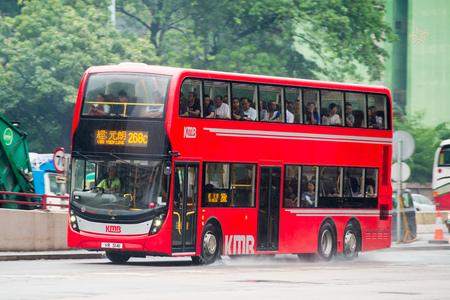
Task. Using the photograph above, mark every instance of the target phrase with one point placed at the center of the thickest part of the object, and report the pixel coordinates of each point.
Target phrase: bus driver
(110, 184)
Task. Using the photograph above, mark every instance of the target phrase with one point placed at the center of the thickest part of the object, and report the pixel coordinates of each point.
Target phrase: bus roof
(444, 143)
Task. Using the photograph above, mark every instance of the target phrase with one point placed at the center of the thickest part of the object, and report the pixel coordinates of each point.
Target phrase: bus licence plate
(112, 245)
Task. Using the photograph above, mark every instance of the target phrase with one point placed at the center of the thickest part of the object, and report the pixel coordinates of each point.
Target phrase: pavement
(425, 234)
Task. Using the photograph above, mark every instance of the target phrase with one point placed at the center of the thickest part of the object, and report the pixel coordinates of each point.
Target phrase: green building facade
(418, 70)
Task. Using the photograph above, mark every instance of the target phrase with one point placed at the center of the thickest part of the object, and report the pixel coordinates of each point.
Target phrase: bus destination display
(121, 138)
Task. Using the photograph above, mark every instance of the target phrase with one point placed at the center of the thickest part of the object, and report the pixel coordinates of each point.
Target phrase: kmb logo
(114, 229)
(239, 244)
(190, 132)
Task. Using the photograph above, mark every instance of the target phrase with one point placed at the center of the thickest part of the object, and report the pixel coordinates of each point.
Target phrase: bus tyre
(326, 248)
(351, 243)
(117, 258)
(210, 246)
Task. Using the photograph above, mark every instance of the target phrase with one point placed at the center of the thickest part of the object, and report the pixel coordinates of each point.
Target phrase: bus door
(269, 208)
(185, 203)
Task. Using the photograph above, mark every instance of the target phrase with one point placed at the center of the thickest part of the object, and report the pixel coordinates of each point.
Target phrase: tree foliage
(426, 139)
(263, 37)
(43, 54)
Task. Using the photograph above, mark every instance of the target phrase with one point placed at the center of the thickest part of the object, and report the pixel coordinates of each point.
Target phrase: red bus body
(263, 144)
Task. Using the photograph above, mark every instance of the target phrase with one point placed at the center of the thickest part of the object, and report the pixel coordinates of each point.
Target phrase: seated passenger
(371, 121)
(238, 112)
(309, 197)
(157, 110)
(263, 111)
(110, 184)
(273, 114)
(290, 199)
(311, 116)
(193, 105)
(222, 109)
(122, 109)
(289, 112)
(99, 109)
(297, 112)
(249, 112)
(208, 108)
(183, 108)
(349, 118)
(325, 116)
(334, 117)
(369, 190)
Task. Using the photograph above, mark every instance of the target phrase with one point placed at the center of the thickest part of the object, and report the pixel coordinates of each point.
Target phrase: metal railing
(42, 197)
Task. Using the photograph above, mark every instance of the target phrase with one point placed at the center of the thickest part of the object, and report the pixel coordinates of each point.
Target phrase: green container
(15, 167)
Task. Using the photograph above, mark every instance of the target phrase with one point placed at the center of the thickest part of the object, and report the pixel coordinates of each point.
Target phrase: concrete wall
(32, 230)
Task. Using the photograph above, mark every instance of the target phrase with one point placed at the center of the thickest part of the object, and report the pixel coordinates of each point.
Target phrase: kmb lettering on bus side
(239, 244)
(113, 229)
(190, 132)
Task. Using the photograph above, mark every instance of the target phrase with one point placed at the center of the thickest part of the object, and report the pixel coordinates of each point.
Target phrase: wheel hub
(210, 243)
(350, 242)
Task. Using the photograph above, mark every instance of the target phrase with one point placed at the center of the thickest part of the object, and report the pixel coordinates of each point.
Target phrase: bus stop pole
(399, 187)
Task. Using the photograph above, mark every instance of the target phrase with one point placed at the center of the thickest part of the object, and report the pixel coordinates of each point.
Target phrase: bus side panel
(159, 242)
(239, 226)
(298, 234)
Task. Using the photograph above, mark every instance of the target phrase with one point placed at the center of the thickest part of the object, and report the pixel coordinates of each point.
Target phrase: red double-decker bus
(178, 162)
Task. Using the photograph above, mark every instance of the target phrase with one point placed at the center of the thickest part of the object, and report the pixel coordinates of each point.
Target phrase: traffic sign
(406, 171)
(58, 160)
(407, 147)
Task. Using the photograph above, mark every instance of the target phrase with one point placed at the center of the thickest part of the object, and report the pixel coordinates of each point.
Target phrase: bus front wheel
(210, 246)
(326, 246)
(117, 258)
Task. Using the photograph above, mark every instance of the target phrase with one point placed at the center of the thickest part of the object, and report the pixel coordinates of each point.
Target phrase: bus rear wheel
(210, 246)
(117, 258)
(351, 243)
(326, 245)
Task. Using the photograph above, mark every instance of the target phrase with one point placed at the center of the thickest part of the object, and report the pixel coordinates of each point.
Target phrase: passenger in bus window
(238, 112)
(349, 118)
(289, 112)
(249, 112)
(369, 190)
(334, 117)
(99, 109)
(297, 112)
(378, 115)
(309, 197)
(290, 198)
(325, 116)
(193, 105)
(183, 108)
(119, 109)
(208, 108)
(371, 121)
(222, 109)
(225, 99)
(273, 113)
(311, 116)
(263, 116)
(155, 111)
(110, 184)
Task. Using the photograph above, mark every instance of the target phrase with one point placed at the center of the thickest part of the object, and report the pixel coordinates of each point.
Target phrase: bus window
(249, 92)
(377, 104)
(294, 96)
(309, 187)
(355, 110)
(311, 105)
(218, 90)
(444, 157)
(351, 187)
(124, 95)
(331, 110)
(190, 104)
(229, 185)
(330, 182)
(272, 96)
(292, 186)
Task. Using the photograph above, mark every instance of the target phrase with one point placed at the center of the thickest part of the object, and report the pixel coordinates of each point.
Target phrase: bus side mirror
(167, 167)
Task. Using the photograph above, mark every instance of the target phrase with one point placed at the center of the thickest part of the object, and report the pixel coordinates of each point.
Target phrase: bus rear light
(384, 212)
(439, 170)
(435, 193)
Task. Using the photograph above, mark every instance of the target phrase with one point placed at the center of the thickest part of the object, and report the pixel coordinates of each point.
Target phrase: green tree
(44, 52)
(426, 139)
(263, 37)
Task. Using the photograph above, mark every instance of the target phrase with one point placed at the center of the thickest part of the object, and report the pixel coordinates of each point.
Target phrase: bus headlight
(157, 223)
(73, 221)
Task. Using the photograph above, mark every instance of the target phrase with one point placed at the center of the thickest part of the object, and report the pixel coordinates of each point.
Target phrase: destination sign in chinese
(121, 138)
